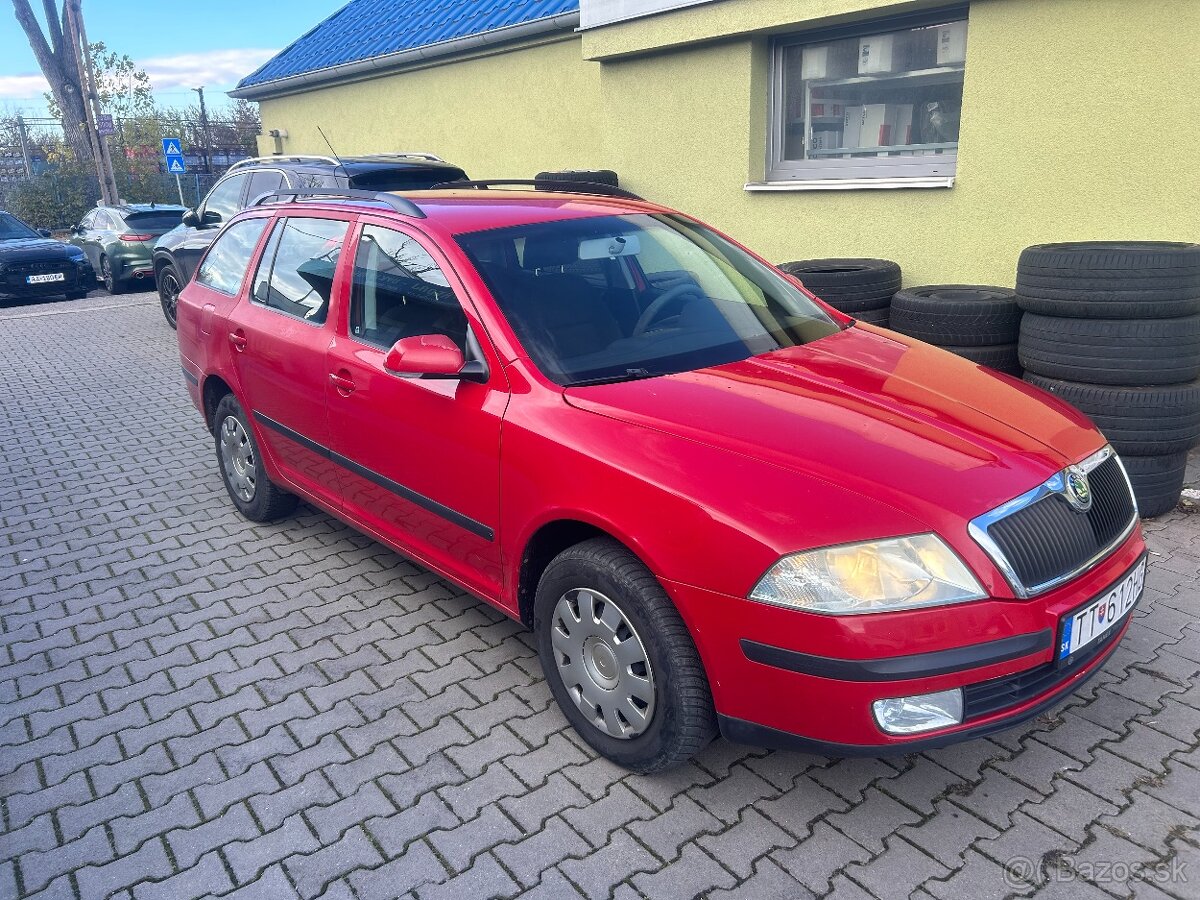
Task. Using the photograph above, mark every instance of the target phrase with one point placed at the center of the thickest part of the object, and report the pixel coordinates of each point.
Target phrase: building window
(871, 102)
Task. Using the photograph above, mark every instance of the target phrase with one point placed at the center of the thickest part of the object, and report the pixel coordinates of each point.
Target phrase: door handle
(343, 382)
(238, 339)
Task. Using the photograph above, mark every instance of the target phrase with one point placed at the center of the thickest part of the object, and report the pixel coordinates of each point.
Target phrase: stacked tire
(975, 321)
(1114, 330)
(861, 288)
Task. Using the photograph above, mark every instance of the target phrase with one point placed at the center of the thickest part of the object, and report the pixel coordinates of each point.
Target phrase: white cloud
(22, 87)
(218, 70)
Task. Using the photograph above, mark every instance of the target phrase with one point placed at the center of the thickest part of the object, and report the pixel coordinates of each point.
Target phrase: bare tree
(59, 62)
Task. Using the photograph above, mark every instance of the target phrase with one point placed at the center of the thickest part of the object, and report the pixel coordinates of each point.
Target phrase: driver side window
(399, 291)
(226, 198)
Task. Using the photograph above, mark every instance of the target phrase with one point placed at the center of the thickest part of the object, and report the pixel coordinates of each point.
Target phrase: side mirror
(431, 355)
(44, 232)
(191, 219)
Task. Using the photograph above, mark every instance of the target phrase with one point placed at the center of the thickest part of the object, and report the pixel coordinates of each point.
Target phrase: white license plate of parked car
(1099, 617)
(42, 279)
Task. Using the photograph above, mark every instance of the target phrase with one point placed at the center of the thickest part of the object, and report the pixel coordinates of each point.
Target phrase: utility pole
(204, 131)
(24, 146)
(104, 169)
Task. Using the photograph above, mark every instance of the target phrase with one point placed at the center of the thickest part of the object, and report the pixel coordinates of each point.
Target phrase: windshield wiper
(630, 375)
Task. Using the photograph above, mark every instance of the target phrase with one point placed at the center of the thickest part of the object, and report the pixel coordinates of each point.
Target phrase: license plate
(1099, 617)
(42, 279)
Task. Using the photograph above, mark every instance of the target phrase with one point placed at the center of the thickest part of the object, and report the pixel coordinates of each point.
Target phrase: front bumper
(76, 277)
(783, 678)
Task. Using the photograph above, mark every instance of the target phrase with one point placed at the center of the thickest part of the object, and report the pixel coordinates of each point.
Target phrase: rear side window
(296, 273)
(229, 257)
(399, 291)
(265, 182)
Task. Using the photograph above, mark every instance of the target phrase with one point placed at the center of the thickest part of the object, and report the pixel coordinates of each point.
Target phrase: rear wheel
(111, 283)
(619, 659)
(168, 292)
(254, 494)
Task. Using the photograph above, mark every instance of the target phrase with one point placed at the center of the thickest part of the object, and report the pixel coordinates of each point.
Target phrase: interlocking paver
(193, 704)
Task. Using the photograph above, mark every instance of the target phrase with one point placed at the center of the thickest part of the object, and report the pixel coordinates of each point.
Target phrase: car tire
(1112, 351)
(169, 284)
(879, 317)
(112, 284)
(591, 176)
(1157, 481)
(634, 613)
(962, 315)
(851, 285)
(253, 493)
(1115, 280)
(1141, 421)
(1000, 358)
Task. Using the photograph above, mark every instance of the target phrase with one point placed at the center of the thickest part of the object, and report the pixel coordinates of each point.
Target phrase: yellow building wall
(1078, 123)
(504, 115)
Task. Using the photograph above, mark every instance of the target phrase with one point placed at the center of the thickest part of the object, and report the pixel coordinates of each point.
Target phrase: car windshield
(13, 229)
(612, 298)
(154, 220)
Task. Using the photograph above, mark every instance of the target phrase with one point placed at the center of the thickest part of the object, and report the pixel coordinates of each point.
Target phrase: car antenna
(329, 144)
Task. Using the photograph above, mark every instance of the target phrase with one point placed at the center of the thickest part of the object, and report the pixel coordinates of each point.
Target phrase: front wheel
(168, 292)
(254, 494)
(620, 660)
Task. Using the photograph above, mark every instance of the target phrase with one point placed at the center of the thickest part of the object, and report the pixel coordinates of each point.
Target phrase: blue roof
(364, 29)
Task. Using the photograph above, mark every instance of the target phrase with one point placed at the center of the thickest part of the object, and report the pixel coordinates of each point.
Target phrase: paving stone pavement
(192, 705)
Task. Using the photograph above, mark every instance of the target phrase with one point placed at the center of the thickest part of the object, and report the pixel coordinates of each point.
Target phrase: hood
(34, 248)
(889, 417)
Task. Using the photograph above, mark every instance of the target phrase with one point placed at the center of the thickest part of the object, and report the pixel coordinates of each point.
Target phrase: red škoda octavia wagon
(719, 504)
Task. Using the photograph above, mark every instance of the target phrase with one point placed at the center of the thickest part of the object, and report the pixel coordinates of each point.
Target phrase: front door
(422, 455)
(280, 334)
(222, 203)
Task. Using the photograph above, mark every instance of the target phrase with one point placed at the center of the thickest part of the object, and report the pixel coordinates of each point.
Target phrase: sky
(210, 42)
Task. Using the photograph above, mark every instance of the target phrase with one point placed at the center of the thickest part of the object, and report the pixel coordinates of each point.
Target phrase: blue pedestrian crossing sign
(173, 151)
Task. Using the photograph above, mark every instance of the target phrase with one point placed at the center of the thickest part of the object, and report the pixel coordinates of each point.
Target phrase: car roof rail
(546, 184)
(403, 154)
(400, 204)
(291, 157)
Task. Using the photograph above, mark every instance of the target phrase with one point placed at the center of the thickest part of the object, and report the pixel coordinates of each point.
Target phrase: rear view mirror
(610, 247)
(191, 219)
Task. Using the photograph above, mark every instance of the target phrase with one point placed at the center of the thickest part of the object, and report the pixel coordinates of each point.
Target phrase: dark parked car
(119, 240)
(178, 251)
(33, 265)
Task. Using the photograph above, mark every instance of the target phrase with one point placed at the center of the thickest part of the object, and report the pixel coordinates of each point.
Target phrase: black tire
(851, 286)
(1001, 358)
(962, 315)
(593, 176)
(268, 501)
(1112, 351)
(169, 284)
(682, 721)
(1117, 280)
(1141, 421)
(1157, 481)
(878, 317)
(112, 284)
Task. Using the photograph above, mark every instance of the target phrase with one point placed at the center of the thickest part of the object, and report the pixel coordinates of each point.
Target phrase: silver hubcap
(602, 663)
(237, 456)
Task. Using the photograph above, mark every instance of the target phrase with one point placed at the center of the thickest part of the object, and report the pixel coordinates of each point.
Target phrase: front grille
(1048, 539)
(987, 697)
(14, 275)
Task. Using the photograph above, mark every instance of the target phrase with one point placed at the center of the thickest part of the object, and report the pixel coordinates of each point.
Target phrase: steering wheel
(646, 319)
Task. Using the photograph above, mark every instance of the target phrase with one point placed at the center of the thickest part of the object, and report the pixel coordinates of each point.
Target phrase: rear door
(422, 456)
(280, 334)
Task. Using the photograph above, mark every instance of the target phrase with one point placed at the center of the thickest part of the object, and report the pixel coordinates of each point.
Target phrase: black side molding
(427, 503)
(900, 668)
(189, 376)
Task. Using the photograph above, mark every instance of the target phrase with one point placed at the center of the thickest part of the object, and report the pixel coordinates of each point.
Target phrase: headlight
(874, 576)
